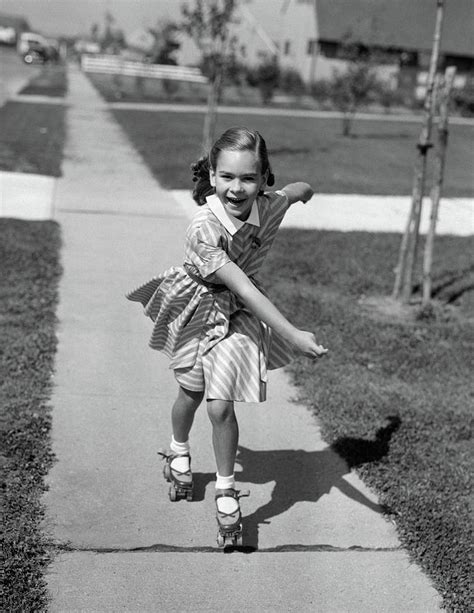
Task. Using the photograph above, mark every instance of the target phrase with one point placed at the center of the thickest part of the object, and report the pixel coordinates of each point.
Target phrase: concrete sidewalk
(316, 539)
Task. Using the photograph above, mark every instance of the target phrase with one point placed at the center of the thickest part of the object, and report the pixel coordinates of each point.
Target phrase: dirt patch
(388, 310)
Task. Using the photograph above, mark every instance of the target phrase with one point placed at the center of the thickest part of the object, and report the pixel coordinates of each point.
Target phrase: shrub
(464, 99)
(266, 77)
(291, 82)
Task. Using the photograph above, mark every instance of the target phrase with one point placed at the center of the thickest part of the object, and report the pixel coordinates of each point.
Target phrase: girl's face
(238, 180)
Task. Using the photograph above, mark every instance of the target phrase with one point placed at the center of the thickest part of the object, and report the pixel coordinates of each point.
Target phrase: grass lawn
(32, 135)
(30, 269)
(32, 138)
(133, 89)
(377, 160)
(394, 396)
(52, 81)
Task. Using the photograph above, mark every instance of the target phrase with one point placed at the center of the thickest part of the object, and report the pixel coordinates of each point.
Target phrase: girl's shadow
(307, 475)
(303, 475)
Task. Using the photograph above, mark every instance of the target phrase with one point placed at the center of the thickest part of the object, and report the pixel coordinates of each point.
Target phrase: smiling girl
(212, 317)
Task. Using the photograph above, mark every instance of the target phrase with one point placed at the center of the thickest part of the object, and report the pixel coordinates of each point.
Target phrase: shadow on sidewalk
(304, 476)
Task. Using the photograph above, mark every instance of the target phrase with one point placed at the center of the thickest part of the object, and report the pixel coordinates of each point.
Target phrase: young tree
(113, 39)
(352, 89)
(438, 186)
(94, 33)
(208, 24)
(403, 285)
(165, 43)
(267, 77)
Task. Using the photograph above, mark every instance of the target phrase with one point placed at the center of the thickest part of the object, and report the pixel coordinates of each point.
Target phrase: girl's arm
(238, 283)
(298, 192)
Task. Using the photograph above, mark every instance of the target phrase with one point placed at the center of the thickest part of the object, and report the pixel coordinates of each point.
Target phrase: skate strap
(169, 457)
(230, 493)
(180, 472)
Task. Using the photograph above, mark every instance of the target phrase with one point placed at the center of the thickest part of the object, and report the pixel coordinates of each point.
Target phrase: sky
(72, 17)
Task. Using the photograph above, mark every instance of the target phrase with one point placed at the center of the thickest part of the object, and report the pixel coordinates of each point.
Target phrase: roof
(14, 21)
(402, 24)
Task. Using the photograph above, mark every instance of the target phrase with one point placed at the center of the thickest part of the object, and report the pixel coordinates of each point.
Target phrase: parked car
(36, 49)
(26, 40)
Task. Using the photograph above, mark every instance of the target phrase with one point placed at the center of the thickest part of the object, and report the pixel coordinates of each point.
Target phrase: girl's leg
(225, 435)
(182, 413)
(182, 417)
(225, 438)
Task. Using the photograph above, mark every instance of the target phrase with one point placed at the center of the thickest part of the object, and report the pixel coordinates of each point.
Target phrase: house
(308, 35)
(11, 26)
(402, 31)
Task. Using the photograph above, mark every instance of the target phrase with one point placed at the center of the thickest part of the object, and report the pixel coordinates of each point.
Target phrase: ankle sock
(225, 483)
(182, 462)
(179, 448)
(226, 504)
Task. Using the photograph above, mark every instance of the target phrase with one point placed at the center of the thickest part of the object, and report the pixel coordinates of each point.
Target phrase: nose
(236, 186)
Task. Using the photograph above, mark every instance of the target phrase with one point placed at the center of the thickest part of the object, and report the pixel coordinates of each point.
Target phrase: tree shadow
(381, 136)
(288, 150)
(451, 285)
(305, 476)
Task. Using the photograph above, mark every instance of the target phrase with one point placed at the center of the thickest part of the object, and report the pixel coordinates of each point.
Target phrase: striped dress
(214, 342)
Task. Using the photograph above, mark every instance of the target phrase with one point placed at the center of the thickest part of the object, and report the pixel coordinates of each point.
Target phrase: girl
(212, 317)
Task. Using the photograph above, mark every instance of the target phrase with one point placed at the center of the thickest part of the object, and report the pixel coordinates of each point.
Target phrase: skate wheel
(189, 496)
(166, 472)
(220, 540)
(173, 494)
(238, 541)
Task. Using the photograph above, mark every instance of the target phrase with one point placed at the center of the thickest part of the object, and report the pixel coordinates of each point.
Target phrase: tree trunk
(211, 115)
(346, 124)
(437, 188)
(213, 98)
(408, 250)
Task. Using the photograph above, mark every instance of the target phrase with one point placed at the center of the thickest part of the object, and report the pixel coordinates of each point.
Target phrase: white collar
(231, 223)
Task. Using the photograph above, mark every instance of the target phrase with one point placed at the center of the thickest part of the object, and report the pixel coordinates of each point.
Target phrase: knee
(191, 400)
(220, 411)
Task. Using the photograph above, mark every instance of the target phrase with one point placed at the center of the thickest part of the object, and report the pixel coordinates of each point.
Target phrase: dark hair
(233, 139)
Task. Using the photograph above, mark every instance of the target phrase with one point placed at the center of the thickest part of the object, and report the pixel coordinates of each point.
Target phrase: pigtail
(270, 181)
(203, 187)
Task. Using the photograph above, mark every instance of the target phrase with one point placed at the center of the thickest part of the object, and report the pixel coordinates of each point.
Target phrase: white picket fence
(112, 64)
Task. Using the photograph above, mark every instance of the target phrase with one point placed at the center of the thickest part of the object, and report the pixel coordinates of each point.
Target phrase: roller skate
(181, 483)
(230, 524)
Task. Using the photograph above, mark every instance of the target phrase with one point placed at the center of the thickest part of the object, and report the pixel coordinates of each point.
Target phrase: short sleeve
(278, 199)
(205, 250)
(274, 206)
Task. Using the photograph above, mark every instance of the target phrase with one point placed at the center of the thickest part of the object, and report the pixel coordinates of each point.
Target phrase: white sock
(226, 504)
(181, 463)
(179, 448)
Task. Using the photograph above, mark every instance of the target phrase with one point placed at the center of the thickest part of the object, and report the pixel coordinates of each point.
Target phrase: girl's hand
(306, 343)
(307, 194)
(299, 191)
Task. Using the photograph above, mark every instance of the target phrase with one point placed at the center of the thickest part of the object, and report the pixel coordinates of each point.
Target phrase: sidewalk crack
(287, 548)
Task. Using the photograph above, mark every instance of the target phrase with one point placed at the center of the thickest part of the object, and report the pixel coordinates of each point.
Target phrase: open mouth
(236, 201)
